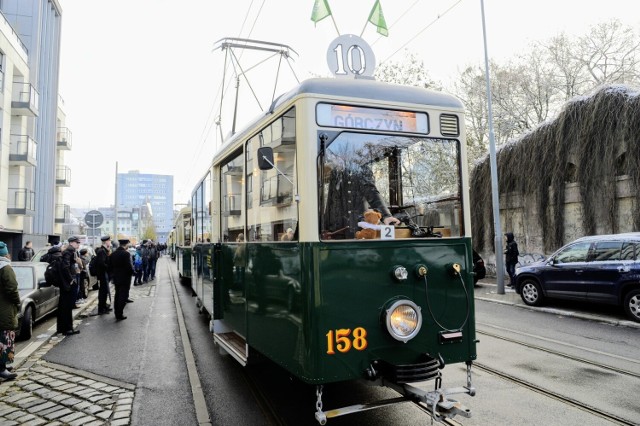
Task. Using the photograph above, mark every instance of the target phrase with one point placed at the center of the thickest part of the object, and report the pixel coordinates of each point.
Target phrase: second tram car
(180, 248)
(281, 262)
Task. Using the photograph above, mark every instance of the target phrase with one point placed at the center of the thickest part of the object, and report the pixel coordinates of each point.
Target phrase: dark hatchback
(599, 269)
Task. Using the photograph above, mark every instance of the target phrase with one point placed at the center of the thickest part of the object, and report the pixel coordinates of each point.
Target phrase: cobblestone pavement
(45, 393)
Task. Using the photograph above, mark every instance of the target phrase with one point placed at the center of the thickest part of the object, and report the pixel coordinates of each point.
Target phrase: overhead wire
(211, 119)
(422, 30)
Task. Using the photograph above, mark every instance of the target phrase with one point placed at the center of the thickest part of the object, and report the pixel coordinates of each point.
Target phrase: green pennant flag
(377, 18)
(321, 10)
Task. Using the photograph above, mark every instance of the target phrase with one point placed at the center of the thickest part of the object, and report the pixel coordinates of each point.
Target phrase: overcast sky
(141, 82)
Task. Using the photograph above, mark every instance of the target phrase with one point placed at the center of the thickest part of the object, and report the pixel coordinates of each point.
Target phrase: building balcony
(63, 213)
(63, 138)
(63, 176)
(23, 151)
(25, 100)
(21, 201)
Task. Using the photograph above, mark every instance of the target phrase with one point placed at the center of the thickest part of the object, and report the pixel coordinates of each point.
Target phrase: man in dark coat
(511, 258)
(67, 300)
(122, 271)
(350, 187)
(103, 254)
(26, 253)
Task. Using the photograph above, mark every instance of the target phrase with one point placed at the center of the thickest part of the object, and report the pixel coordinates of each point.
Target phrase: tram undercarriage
(436, 403)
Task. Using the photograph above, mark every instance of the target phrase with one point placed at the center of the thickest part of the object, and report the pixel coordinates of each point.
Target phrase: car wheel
(531, 293)
(632, 305)
(26, 328)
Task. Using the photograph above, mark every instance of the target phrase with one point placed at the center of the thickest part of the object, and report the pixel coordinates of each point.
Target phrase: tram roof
(369, 89)
(363, 88)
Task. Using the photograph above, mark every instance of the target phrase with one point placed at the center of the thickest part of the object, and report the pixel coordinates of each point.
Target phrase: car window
(575, 253)
(629, 251)
(607, 250)
(24, 277)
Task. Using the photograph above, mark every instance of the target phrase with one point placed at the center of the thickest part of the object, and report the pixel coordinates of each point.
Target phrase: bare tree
(534, 86)
(410, 71)
(608, 53)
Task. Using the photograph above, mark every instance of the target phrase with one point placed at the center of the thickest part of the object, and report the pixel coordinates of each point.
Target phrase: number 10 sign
(349, 55)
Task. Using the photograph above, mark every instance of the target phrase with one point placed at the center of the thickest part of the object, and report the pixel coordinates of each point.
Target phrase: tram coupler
(436, 402)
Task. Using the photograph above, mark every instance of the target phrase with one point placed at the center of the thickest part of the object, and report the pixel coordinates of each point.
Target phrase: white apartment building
(33, 135)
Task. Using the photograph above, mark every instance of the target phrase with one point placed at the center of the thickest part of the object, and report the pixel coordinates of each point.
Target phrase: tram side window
(194, 215)
(231, 180)
(272, 211)
(198, 214)
(206, 209)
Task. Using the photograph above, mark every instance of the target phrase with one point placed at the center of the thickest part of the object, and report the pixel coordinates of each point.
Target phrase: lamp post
(495, 194)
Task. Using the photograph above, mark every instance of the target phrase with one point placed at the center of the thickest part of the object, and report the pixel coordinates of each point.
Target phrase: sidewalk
(54, 394)
(487, 290)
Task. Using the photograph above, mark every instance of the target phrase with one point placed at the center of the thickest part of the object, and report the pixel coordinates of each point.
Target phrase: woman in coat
(9, 307)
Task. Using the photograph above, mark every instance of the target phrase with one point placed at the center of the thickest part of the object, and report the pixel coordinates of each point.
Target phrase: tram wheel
(531, 292)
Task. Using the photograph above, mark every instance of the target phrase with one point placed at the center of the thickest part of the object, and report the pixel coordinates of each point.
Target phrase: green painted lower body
(183, 261)
(318, 309)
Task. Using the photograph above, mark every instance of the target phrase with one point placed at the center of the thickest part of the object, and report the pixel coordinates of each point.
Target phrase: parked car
(599, 269)
(479, 270)
(37, 298)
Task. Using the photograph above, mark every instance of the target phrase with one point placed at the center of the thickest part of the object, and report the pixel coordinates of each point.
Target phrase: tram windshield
(415, 179)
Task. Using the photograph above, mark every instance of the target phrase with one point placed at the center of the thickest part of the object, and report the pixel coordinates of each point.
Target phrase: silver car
(37, 298)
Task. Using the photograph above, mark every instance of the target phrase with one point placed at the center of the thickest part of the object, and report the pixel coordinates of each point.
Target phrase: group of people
(118, 266)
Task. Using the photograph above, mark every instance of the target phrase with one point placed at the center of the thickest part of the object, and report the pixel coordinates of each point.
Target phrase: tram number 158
(343, 340)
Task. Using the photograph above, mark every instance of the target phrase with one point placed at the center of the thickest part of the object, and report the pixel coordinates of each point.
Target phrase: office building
(151, 192)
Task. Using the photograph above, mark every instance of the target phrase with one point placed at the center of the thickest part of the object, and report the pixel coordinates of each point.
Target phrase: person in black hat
(67, 300)
(103, 254)
(122, 271)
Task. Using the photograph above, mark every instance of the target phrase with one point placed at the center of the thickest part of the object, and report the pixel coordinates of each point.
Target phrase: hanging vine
(600, 133)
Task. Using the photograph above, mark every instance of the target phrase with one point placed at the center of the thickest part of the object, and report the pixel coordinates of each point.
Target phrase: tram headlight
(403, 320)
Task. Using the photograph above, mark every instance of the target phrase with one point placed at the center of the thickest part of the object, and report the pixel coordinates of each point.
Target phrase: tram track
(564, 399)
(549, 393)
(566, 355)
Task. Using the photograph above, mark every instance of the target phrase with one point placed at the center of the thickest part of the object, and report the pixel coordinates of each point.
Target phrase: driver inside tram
(351, 190)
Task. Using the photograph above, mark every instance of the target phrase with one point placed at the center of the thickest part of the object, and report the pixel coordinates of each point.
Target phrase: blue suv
(598, 269)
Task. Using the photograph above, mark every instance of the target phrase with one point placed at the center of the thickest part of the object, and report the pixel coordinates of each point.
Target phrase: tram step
(233, 344)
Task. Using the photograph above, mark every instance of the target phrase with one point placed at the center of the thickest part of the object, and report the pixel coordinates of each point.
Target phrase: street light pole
(495, 194)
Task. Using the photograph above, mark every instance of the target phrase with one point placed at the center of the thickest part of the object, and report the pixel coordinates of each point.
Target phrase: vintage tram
(179, 243)
(281, 262)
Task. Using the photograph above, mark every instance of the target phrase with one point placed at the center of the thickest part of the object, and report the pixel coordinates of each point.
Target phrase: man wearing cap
(103, 254)
(67, 300)
(122, 271)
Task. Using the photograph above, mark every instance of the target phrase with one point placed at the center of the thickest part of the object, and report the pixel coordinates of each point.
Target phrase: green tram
(180, 248)
(296, 255)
